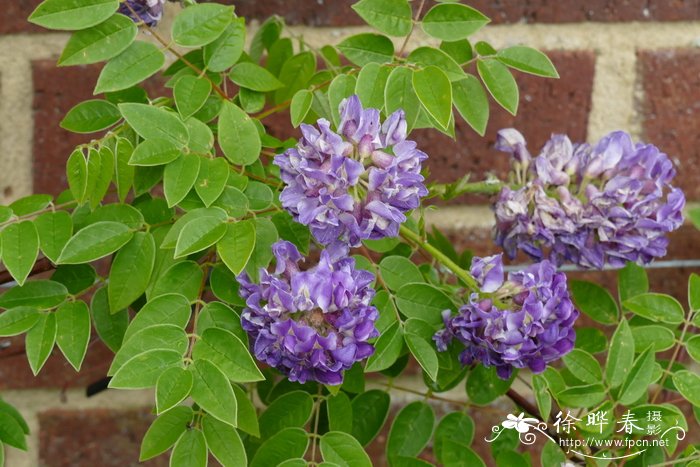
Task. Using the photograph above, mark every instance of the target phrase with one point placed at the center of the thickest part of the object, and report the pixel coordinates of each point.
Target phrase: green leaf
(631, 281)
(342, 87)
(339, 409)
(370, 410)
(219, 316)
(170, 308)
(484, 385)
(172, 387)
(411, 430)
(371, 82)
(76, 173)
(434, 91)
(362, 49)
(528, 60)
(552, 454)
(100, 171)
(692, 346)
(41, 294)
(259, 196)
(426, 56)
(185, 277)
(144, 369)
(14, 413)
(620, 356)
(165, 431)
(471, 102)
(694, 292)
(94, 242)
(500, 83)
(18, 320)
(201, 136)
(212, 391)
(99, 43)
(170, 239)
(688, 385)
(131, 271)
(582, 396)
(73, 331)
(198, 235)
(40, 340)
(238, 136)
(594, 301)
(342, 449)
(290, 410)
(423, 353)
(20, 248)
(211, 179)
(224, 442)
(190, 450)
(164, 336)
(656, 307)
(30, 204)
(91, 116)
(109, 326)
(221, 54)
(542, 397)
(124, 178)
(638, 379)
(54, 230)
(287, 444)
(296, 73)
(11, 433)
(387, 349)
(229, 354)
(251, 76)
(399, 94)
(292, 231)
(583, 366)
(139, 61)
(155, 123)
(660, 337)
(247, 415)
(199, 25)
(236, 246)
(460, 51)
(179, 177)
(72, 14)
(398, 270)
(455, 427)
(423, 301)
(300, 106)
(190, 94)
(451, 22)
(392, 17)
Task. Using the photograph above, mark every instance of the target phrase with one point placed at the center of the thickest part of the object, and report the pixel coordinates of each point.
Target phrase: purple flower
(357, 183)
(533, 329)
(148, 11)
(313, 324)
(606, 204)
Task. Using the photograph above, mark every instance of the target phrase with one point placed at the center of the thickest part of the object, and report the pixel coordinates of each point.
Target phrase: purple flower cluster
(357, 183)
(534, 328)
(589, 205)
(148, 11)
(313, 324)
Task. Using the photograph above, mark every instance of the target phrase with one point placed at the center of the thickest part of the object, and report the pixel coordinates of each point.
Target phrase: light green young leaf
(265, 236)
(18, 320)
(199, 235)
(173, 234)
(295, 74)
(423, 353)
(452, 22)
(366, 48)
(99, 43)
(631, 281)
(124, 178)
(225, 51)
(454, 430)
(471, 102)
(656, 307)
(41, 294)
(300, 106)
(72, 14)
(254, 77)
(185, 277)
(237, 245)
(54, 229)
(238, 136)
(91, 116)
(40, 341)
(201, 24)
(212, 392)
(688, 384)
(171, 308)
(190, 94)
(173, 386)
(341, 87)
(155, 337)
(229, 354)
(528, 60)
(211, 179)
(423, 301)
(179, 177)
(224, 442)
(582, 396)
(500, 83)
(434, 91)
(387, 349)
(155, 123)
(247, 413)
(201, 136)
(95, 241)
(76, 173)
(426, 56)
(138, 62)
(371, 82)
(398, 270)
(660, 337)
(73, 331)
(165, 431)
(392, 17)
(190, 450)
(143, 370)
(399, 94)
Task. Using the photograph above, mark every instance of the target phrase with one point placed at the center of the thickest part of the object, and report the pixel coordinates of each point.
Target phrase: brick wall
(624, 64)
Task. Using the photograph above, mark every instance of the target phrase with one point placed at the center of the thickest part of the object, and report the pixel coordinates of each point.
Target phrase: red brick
(671, 109)
(14, 17)
(97, 437)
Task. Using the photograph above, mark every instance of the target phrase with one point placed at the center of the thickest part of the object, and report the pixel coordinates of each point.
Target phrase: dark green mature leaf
(392, 17)
(40, 341)
(251, 76)
(656, 307)
(247, 414)
(190, 450)
(169, 308)
(542, 397)
(236, 246)
(638, 379)
(72, 14)
(423, 352)
(387, 349)
(339, 409)
(224, 442)
(461, 51)
(528, 60)
(14, 413)
(366, 48)
(290, 410)
(11, 432)
(300, 106)
(199, 25)
(165, 431)
(190, 94)
(173, 234)
(94, 242)
(40, 294)
(73, 331)
(138, 62)
(172, 387)
(18, 320)
(411, 430)
(423, 301)
(500, 83)
(694, 292)
(185, 277)
(98, 43)
(592, 340)
(433, 88)
(370, 410)
(109, 326)
(157, 337)
(238, 135)
(198, 235)
(371, 82)
(131, 271)
(399, 94)
(54, 229)
(343, 449)
(688, 385)
(292, 231)
(213, 392)
(265, 236)
(692, 346)
(471, 102)
(451, 22)
(620, 356)
(583, 366)
(229, 353)
(426, 56)
(179, 177)
(211, 179)
(144, 369)
(594, 301)
(582, 396)
(91, 116)
(398, 270)
(484, 385)
(455, 429)
(155, 123)
(221, 54)
(631, 281)
(660, 337)
(20, 248)
(124, 177)
(295, 74)
(76, 173)
(288, 443)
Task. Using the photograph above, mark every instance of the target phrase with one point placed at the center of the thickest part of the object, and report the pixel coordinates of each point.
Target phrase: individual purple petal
(148, 11)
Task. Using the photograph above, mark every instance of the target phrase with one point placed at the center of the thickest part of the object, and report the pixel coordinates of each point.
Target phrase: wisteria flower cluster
(313, 324)
(590, 205)
(148, 11)
(357, 183)
(530, 326)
